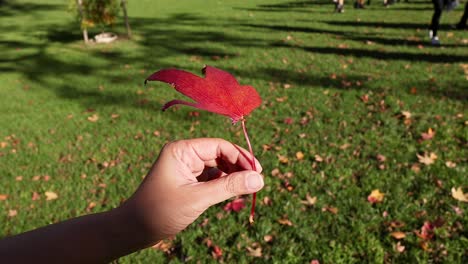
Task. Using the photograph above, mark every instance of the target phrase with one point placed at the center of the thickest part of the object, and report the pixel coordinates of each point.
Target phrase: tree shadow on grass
(158, 40)
(350, 35)
(12, 8)
(382, 55)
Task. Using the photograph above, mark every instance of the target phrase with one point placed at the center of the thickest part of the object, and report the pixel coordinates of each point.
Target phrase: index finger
(201, 152)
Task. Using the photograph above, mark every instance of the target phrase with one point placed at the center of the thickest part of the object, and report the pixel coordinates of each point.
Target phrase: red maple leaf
(219, 92)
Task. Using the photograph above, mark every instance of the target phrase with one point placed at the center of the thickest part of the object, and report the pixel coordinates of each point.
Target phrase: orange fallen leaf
(283, 159)
(398, 235)
(3, 197)
(375, 197)
(299, 155)
(458, 194)
(164, 245)
(51, 196)
(3, 144)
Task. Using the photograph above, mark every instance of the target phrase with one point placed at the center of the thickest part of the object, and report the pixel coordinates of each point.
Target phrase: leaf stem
(252, 163)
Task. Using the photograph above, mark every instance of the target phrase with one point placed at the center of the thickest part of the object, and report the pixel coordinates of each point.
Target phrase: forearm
(96, 238)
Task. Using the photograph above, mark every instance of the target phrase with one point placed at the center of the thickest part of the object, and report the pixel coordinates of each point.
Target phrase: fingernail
(254, 182)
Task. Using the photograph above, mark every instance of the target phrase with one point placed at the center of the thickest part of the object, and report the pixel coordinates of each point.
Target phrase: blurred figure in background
(462, 23)
(439, 5)
(339, 6)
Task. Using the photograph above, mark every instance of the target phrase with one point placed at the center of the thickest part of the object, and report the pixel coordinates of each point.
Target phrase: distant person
(187, 178)
(462, 23)
(439, 5)
(339, 6)
(359, 4)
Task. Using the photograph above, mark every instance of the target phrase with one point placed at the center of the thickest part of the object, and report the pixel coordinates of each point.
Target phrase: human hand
(188, 177)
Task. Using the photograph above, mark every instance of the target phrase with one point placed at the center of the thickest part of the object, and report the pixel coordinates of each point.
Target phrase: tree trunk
(123, 3)
(83, 18)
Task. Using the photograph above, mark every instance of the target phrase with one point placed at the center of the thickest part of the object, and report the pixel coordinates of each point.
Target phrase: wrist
(128, 228)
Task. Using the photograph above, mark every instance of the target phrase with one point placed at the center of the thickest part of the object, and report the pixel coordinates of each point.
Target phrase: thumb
(223, 188)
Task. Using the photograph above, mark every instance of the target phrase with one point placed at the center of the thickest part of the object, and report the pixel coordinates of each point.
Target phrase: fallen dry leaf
(3, 144)
(283, 159)
(94, 118)
(398, 235)
(381, 158)
(285, 221)
(268, 238)
(406, 114)
(450, 164)
(299, 155)
(216, 252)
(255, 252)
(428, 135)
(330, 209)
(309, 201)
(375, 197)
(35, 196)
(12, 213)
(51, 195)
(458, 194)
(427, 159)
(164, 245)
(399, 247)
(3, 197)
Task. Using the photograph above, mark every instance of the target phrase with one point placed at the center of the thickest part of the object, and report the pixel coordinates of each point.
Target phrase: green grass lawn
(352, 92)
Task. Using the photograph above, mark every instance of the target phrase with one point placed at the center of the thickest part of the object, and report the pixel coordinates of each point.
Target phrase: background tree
(102, 13)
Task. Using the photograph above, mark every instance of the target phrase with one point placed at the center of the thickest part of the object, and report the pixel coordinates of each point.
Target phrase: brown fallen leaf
(94, 118)
(255, 252)
(309, 201)
(285, 221)
(398, 235)
(283, 159)
(458, 194)
(165, 245)
(268, 238)
(12, 213)
(330, 209)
